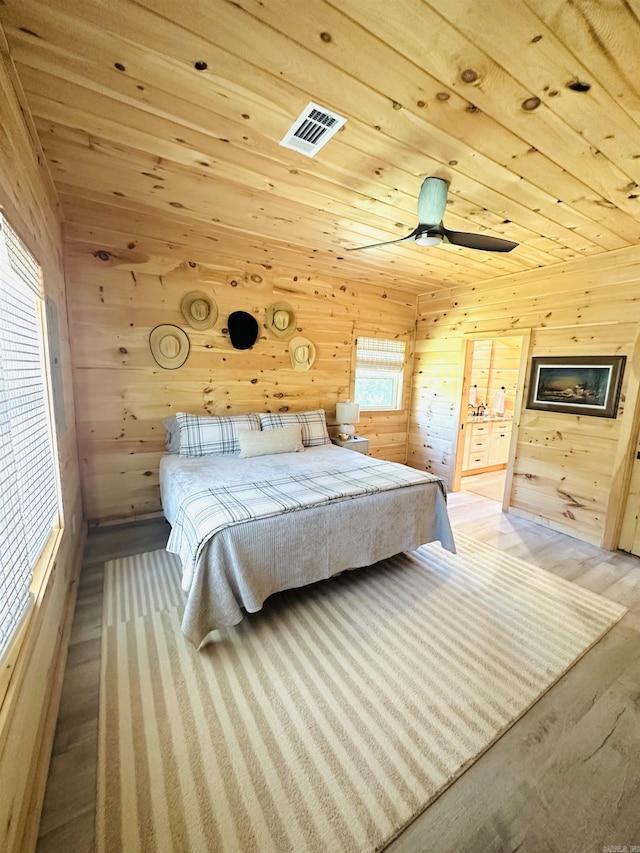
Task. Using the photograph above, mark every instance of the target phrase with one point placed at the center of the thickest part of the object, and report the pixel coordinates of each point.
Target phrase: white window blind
(379, 373)
(28, 479)
(379, 354)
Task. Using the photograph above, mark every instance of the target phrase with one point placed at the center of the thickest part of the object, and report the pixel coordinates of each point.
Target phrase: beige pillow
(287, 439)
(314, 425)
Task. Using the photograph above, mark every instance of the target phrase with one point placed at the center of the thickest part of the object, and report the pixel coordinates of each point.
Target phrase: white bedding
(240, 566)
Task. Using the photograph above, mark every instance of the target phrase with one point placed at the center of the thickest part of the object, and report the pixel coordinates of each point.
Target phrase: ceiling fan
(431, 232)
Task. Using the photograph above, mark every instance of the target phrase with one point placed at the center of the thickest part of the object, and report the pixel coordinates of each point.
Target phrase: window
(28, 468)
(379, 372)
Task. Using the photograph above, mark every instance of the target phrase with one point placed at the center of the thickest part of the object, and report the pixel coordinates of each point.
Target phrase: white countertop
(486, 419)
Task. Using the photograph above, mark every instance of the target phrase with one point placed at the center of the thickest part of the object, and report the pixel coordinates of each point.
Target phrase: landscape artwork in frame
(575, 385)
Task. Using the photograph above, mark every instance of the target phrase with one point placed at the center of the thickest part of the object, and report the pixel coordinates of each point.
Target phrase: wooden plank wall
(567, 467)
(29, 709)
(481, 370)
(123, 395)
(505, 367)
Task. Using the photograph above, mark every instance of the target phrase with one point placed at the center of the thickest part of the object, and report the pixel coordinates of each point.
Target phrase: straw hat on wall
(169, 346)
(199, 309)
(302, 353)
(280, 319)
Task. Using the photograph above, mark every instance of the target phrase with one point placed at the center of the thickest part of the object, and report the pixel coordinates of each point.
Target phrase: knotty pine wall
(569, 470)
(29, 709)
(123, 395)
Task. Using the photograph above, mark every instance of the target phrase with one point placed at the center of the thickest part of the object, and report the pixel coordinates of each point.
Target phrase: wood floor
(564, 778)
(490, 484)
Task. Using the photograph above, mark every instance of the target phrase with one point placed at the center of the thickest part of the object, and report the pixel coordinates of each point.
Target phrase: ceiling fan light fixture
(426, 239)
(431, 231)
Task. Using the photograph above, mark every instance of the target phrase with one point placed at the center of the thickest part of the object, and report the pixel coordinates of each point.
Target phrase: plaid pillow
(314, 425)
(202, 436)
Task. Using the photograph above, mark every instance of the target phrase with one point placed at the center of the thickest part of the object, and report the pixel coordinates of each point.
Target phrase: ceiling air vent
(312, 129)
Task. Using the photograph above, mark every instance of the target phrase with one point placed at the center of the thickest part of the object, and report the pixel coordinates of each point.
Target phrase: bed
(245, 528)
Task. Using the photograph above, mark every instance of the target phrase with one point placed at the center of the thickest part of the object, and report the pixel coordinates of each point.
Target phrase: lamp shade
(347, 413)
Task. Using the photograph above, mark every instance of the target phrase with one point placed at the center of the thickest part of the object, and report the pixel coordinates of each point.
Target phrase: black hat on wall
(243, 329)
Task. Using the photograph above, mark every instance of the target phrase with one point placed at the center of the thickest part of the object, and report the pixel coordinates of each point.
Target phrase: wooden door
(630, 532)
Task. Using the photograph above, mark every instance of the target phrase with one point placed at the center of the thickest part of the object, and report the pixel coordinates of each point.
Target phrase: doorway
(490, 397)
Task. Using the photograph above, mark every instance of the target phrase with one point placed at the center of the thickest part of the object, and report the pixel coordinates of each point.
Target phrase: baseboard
(114, 522)
(555, 525)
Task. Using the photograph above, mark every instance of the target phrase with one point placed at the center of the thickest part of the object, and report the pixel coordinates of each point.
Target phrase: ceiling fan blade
(386, 242)
(432, 201)
(479, 241)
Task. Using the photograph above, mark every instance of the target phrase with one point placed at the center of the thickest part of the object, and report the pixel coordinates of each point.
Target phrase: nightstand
(356, 442)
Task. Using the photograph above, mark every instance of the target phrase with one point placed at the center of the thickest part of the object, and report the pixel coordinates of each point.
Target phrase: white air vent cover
(312, 129)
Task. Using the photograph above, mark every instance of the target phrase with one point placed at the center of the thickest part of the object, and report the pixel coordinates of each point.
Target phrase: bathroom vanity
(486, 443)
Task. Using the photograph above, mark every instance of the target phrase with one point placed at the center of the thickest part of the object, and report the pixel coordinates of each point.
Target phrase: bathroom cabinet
(486, 443)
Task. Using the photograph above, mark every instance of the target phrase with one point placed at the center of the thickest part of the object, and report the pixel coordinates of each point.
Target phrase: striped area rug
(332, 718)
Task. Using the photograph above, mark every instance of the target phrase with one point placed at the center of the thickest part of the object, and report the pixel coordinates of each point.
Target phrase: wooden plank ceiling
(161, 120)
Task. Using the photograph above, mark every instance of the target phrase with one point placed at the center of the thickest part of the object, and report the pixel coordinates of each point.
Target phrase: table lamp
(347, 414)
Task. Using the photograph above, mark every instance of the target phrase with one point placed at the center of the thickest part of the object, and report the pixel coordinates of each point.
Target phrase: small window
(379, 373)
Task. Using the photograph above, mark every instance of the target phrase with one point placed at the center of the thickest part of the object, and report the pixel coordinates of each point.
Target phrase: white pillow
(203, 436)
(314, 425)
(287, 439)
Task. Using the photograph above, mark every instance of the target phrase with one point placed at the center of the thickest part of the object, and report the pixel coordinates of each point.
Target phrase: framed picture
(576, 385)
